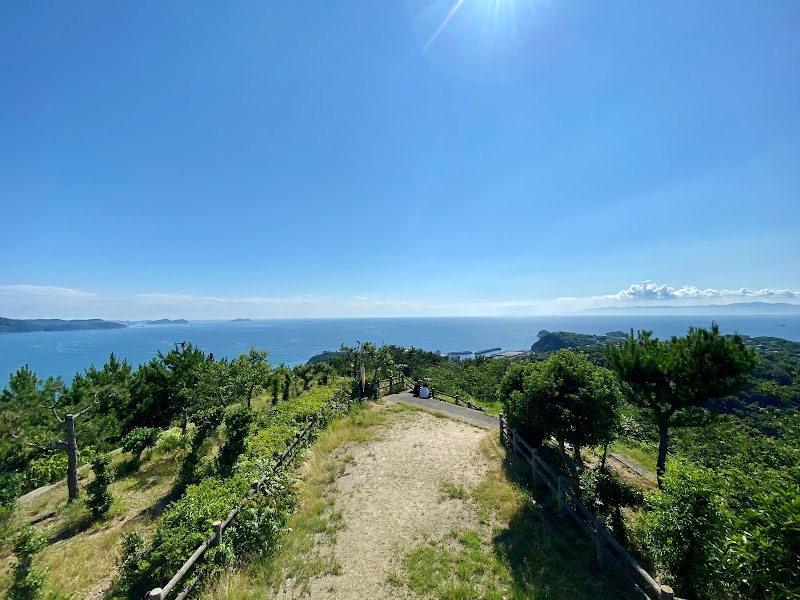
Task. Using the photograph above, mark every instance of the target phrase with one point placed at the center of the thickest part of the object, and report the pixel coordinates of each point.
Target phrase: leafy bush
(237, 423)
(139, 439)
(262, 520)
(10, 487)
(27, 583)
(764, 552)
(170, 440)
(100, 498)
(684, 530)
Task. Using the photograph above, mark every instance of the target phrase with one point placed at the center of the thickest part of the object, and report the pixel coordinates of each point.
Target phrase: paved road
(462, 413)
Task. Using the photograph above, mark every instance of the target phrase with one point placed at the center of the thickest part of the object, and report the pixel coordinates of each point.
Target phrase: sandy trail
(391, 498)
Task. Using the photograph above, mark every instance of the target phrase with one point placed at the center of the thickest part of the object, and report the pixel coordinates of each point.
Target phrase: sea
(294, 341)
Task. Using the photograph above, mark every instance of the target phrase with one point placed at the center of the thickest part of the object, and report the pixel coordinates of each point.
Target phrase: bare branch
(57, 446)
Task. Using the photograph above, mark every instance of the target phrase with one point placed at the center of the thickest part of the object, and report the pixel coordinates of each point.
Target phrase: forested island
(722, 432)
(167, 322)
(28, 325)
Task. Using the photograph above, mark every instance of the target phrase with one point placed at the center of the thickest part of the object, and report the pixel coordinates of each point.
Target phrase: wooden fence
(404, 382)
(215, 539)
(609, 551)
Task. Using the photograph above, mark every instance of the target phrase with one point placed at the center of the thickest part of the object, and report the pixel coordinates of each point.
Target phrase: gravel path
(391, 499)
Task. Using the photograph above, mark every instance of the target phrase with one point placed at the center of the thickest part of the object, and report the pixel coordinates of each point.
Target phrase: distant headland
(241, 320)
(167, 322)
(28, 325)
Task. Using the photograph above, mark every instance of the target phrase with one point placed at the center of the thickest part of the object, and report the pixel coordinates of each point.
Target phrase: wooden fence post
(155, 594)
(391, 383)
(600, 533)
(458, 400)
(534, 463)
(666, 593)
(500, 417)
(217, 525)
(560, 496)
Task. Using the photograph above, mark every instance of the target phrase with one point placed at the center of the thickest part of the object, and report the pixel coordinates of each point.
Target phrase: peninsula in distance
(28, 325)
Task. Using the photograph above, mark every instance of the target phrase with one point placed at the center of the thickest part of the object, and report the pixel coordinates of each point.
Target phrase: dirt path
(390, 494)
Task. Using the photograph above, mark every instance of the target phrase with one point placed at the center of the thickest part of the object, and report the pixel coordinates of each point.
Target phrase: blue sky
(388, 158)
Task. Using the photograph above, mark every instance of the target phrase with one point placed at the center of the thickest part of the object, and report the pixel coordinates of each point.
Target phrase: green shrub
(139, 439)
(764, 552)
(10, 488)
(171, 440)
(100, 498)
(605, 494)
(237, 423)
(27, 583)
(684, 530)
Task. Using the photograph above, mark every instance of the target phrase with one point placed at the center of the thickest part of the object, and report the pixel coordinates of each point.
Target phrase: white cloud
(43, 290)
(649, 291)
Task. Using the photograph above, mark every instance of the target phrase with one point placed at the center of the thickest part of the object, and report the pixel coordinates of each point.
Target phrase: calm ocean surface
(294, 341)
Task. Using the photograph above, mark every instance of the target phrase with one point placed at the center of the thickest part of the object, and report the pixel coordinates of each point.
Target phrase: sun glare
(482, 39)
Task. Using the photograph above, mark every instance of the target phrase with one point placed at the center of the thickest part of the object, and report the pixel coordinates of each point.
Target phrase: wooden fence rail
(609, 550)
(219, 527)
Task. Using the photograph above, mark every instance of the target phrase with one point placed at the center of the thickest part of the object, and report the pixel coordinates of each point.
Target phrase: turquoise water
(294, 341)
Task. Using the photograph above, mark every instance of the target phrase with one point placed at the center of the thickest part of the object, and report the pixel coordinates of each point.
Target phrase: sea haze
(294, 341)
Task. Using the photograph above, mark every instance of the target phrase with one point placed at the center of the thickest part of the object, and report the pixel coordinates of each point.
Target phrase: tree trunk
(576, 454)
(250, 395)
(662, 450)
(563, 451)
(605, 454)
(72, 458)
(185, 423)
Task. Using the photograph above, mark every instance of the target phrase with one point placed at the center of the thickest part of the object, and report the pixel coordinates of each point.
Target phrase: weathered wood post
(217, 525)
(391, 383)
(534, 463)
(560, 496)
(666, 593)
(362, 381)
(502, 437)
(458, 400)
(72, 458)
(155, 594)
(600, 540)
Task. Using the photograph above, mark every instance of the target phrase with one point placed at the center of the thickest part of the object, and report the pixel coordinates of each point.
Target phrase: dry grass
(81, 557)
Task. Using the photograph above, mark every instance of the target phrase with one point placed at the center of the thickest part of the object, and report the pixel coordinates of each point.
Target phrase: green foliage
(262, 520)
(671, 379)
(763, 553)
(206, 422)
(564, 396)
(237, 422)
(684, 530)
(139, 439)
(605, 494)
(27, 583)
(10, 485)
(100, 498)
(475, 379)
(187, 521)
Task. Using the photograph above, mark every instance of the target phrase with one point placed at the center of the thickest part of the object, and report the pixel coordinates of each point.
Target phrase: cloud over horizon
(652, 292)
(27, 301)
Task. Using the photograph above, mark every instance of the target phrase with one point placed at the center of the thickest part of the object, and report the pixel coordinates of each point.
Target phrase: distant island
(167, 322)
(735, 308)
(240, 320)
(28, 325)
